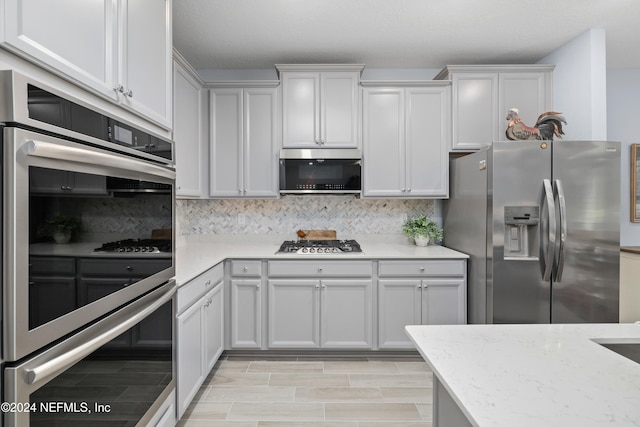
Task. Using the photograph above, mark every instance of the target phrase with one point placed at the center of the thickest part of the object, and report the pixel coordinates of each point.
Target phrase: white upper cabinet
(482, 96)
(320, 107)
(187, 131)
(145, 57)
(406, 137)
(243, 152)
(120, 49)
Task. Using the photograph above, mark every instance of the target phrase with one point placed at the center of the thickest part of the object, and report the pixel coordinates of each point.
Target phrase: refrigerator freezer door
(518, 292)
(588, 173)
(465, 220)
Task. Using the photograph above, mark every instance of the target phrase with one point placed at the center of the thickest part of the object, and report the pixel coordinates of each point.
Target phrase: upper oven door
(54, 285)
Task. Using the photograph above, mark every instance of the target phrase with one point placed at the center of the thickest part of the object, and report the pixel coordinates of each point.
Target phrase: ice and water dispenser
(520, 231)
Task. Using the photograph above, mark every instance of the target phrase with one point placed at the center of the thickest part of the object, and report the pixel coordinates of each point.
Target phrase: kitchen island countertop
(197, 253)
(535, 375)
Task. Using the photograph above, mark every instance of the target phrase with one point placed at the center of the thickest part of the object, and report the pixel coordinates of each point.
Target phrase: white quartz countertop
(197, 253)
(535, 375)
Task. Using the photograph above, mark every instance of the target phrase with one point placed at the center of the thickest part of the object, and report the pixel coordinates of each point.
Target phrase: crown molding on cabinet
(405, 83)
(493, 68)
(319, 67)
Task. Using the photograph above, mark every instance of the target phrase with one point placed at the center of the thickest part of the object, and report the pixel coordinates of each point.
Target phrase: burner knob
(335, 249)
(305, 250)
(312, 250)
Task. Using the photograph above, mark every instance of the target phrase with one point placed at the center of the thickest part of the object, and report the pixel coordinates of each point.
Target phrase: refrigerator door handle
(562, 208)
(547, 230)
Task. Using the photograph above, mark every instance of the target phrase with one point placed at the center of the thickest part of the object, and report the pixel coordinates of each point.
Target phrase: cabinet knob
(258, 286)
(409, 190)
(317, 286)
(129, 268)
(245, 269)
(319, 269)
(422, 269)
(128, 93)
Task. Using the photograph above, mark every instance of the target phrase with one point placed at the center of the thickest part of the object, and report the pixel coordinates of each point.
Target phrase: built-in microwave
(320, 171)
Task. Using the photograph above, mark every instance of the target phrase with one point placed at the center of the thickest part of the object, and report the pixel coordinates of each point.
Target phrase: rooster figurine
(548, 125)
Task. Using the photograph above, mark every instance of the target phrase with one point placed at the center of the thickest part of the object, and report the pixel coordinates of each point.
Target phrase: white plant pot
(62, 237)
(422, 240)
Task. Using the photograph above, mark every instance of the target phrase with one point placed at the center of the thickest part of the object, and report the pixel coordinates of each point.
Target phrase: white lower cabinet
(419, 293)
(320, 304)
(326, 313)
(199, 333)
(246, 313)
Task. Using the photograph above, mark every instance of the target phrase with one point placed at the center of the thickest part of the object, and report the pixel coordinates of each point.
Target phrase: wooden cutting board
(317, 234)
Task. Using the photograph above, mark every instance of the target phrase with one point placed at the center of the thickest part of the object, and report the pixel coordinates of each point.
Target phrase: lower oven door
(118, 371)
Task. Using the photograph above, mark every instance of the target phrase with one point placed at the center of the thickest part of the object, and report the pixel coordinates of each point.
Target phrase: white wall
(580, 85)
(623, 106)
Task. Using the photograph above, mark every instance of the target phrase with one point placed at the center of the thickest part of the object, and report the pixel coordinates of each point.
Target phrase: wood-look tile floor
(314, 392)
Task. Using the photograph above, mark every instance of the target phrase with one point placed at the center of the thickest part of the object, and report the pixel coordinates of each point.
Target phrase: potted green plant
(60, 228)
(422, 230)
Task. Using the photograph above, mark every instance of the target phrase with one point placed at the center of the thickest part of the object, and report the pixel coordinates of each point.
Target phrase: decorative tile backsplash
(347, 215)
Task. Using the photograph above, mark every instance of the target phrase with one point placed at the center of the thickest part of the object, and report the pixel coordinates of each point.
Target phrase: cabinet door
(246, 313)
(189, 355)
(260, 153)
(50, 298)
(226, 154)
(145, 58)
(293, 313)
(383, 136)
(475, 110)
(529, 92)
(443, 302)
(213, 315)
(300, 110)
(339, 110)
(346, 317)
(75, 38)
(85, 183)
(427, 142)
(186, 133)
(399, 305)
(44, 180)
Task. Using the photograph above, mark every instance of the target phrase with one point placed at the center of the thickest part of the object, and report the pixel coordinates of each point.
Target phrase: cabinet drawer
(421, 268)
(194, 289)
(320, 268)
(102, 267)
(52, 265)
(246, 268)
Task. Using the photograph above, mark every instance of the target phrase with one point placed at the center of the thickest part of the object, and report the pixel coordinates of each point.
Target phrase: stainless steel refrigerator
(541, 223)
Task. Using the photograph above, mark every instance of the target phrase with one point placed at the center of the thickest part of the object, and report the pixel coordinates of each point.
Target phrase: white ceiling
(238, 34)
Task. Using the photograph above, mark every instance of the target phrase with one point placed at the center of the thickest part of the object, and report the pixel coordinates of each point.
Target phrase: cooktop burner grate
(136, 245)
(320, 247)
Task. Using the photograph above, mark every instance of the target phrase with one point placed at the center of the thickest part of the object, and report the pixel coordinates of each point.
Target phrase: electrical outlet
(242, 219)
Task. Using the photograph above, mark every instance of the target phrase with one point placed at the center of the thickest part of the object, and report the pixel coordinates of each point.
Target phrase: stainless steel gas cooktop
(137, 245)
(319, 247)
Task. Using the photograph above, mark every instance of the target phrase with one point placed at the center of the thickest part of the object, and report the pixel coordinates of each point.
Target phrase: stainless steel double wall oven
(87, 318)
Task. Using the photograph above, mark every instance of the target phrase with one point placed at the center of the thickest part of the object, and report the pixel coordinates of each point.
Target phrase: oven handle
(84, 155)
(78, 353)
